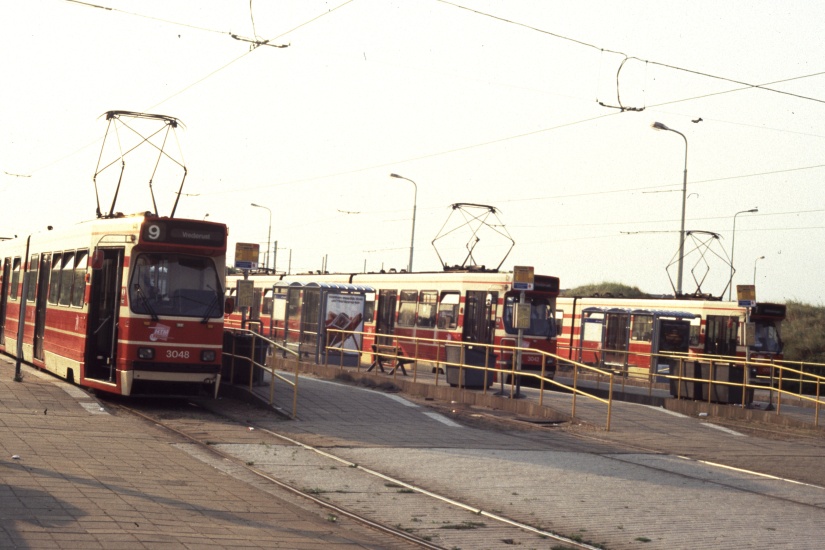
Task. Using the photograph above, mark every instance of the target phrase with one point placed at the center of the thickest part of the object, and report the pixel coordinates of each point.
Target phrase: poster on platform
(345, 312)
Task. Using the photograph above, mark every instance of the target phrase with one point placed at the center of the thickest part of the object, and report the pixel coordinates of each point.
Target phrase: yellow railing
(260, 343)
(783, 374)
(699, 377)
(490, 370)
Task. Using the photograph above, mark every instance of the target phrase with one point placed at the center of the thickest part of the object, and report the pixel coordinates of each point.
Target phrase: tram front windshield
(767, 338)
(175, 285)
(542, 321)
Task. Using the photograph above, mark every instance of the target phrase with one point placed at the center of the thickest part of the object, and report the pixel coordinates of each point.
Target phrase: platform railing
(784, 378)
(490, 369)
(253, 366)
(500, 364)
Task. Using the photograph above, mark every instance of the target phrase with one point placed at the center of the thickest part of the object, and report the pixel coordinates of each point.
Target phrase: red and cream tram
(126, 304)
(473, 306)
(626, 331)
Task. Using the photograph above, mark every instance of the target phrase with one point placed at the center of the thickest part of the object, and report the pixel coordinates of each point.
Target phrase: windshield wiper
(146, 303)
(211, 305)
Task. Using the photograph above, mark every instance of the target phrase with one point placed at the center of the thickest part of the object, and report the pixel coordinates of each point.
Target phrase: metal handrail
(492, 370)
(253, 364)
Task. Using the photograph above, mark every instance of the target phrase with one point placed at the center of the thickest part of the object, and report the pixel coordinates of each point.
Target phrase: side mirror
(229, 306)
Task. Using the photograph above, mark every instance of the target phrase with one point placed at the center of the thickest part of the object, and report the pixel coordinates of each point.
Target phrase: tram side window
(448, 310)
(79, 290)
(641, 328)
(54, 279)
(369, 308)
(31, 277)
(15, 279)
(66, 278)
(266, 304)
(695, 329)
(427, 309)
(406, 309)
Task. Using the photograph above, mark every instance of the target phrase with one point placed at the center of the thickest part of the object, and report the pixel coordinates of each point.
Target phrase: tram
(468, 305)
(123, 304)
(628, 332)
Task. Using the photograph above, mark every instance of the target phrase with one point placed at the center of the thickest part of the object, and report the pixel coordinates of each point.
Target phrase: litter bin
(243, 350)
(469, 377)
(689, 388)
(723, 393)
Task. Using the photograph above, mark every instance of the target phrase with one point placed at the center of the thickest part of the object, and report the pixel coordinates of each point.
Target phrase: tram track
(452, 531)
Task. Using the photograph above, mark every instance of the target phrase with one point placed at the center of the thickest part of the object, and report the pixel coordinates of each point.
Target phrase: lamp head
(394, 175)
(754, 209)
(659, 126)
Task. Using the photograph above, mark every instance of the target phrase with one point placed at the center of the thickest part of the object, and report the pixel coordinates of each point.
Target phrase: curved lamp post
(412, 235)
(733, 242)
(660, 126)
(754, 268)
(268, 235)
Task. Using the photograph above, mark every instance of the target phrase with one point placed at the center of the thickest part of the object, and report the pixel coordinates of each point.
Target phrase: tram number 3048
(177, 354)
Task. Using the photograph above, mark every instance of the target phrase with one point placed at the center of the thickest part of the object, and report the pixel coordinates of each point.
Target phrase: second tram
(472, 306)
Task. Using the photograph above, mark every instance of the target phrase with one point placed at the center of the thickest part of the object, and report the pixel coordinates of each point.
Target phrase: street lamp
(412, 235)
(268, 235)
(660, 126)
(733, 242)
(754, 268)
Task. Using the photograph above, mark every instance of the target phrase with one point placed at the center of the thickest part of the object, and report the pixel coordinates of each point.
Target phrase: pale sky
(500, 103)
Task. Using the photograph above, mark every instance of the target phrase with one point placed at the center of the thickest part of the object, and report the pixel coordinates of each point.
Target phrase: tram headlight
(208, 355)
(146, 353)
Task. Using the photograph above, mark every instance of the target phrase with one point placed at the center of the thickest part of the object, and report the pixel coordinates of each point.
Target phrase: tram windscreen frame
(542, 315)
(178, 285)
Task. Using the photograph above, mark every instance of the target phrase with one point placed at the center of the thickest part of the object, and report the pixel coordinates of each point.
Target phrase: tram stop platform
(345, 409)
(76, 473)
(553, 406)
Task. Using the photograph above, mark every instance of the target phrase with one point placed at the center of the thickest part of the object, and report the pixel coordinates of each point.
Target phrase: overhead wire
(475, 145)
(628, 57)
(190, 86)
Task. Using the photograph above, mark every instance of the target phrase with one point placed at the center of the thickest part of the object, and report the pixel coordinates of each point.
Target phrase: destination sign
(182, 232)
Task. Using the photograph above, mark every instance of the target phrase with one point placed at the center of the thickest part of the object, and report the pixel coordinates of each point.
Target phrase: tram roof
(652, 312)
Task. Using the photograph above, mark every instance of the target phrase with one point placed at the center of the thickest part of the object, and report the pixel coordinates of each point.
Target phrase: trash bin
(242, 346)
(723, 393)
(689, 388)
(469, 377)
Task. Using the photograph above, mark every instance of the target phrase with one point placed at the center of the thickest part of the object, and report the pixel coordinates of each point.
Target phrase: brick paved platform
(72, 475)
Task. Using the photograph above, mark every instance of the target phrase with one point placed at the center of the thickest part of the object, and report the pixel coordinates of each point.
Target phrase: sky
(541, 110)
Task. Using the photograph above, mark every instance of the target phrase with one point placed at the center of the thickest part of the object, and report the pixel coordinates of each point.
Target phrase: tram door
(40, 304)
(720, 335)
(616, 339)
(669, 336)
(479, 316)
(4, 296)
(385, 317)
(104, 304)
